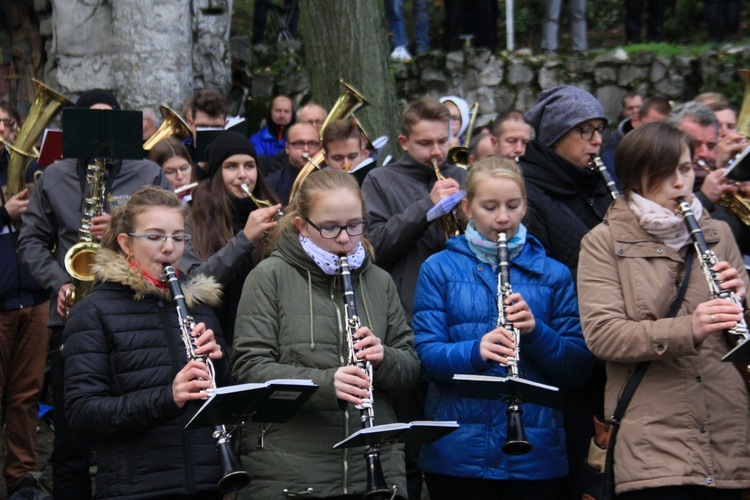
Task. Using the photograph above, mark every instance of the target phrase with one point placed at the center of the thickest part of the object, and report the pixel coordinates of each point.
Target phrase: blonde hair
(123, 217)
(493, 167)
(318, 184)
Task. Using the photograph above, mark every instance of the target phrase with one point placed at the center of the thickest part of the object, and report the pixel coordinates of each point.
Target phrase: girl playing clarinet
(456, 332)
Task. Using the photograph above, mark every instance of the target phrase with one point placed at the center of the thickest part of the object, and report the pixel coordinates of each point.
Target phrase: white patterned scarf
(662, 223)
(329, 262)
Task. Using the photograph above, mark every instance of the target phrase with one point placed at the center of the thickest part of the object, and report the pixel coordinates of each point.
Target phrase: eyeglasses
(177, 239)
(183, 169)
(302, 144)
(333, 232)
(315, 123)
(587, 131)
(8, 122)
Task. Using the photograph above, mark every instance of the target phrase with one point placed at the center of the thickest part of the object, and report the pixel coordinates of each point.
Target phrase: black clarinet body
(598, 165)
(233, 477)
(707, 259)
(515, 442)
(377, 488)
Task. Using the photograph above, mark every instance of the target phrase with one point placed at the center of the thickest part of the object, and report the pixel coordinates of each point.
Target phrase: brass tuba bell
(171, 125)
(47, 104)
(348, 102)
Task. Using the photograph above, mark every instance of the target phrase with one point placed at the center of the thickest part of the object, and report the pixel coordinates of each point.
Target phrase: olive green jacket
(290, 325)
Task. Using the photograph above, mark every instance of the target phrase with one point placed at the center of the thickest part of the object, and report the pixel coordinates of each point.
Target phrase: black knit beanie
(559, 109)
(97, 96)
(222, 146)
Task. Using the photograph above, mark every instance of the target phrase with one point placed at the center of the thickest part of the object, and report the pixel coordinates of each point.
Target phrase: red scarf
(160, 285)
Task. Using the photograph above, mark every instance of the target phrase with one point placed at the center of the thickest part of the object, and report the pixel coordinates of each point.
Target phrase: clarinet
(376, 486)
(707, 259)
(598, 165)
(233, 477)
(515, 443)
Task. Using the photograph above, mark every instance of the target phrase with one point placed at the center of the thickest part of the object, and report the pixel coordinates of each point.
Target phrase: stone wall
(499, 82)
(148, 53)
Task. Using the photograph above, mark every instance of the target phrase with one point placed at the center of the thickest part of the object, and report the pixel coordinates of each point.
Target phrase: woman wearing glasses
(175, 161)
(566, 200)
(128, 385)
(227, 226)
(290, 324)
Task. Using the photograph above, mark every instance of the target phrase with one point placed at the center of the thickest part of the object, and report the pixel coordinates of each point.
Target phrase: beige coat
(689, 420)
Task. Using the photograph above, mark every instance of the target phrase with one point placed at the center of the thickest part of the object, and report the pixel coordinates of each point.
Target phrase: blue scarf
(486, 250)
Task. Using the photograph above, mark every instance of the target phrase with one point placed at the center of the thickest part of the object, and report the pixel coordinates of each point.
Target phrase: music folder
(272, 401)
(417, 432)
(739, 354)
(488, 387)
(203, 135)
(739, 169)
(102, 133)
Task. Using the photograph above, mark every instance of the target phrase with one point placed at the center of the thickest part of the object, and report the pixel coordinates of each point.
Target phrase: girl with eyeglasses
(128, 385)
(290, 324)
(176, 163)
(227, 226)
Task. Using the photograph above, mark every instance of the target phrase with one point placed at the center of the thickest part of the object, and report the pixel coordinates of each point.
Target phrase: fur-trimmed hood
(112, 267)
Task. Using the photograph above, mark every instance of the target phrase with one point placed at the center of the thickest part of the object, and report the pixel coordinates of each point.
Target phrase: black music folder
(739, 168)
(417, 432)
(272, 401)
(488, 387)
(102, 133)
(203, 136)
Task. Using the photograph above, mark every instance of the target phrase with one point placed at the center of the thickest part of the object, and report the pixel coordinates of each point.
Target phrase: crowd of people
(603, 279)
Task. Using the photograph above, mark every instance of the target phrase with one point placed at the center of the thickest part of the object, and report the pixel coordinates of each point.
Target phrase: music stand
(417, 432)
(102, 133)
(488, 387)
(272, 401)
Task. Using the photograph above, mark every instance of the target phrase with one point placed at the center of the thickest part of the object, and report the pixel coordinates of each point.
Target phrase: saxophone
(377, 488)
(233, 478)
(448, 223)
(80, 257)
(707, 259)
(515, 442)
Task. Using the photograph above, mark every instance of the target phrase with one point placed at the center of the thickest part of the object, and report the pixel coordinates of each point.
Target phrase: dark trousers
(654, 27)
(470, 16)
(260, 14)
(456, 488)
(724, 24)
(682, 493)
(70, 457)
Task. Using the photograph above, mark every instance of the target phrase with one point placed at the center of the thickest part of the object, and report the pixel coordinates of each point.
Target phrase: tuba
(79, 259)
(348, 102)
(377, 488)
(233, 478)
(171, 125)
(448, 223)
(47, 104)
(459, 155)
(515, 442)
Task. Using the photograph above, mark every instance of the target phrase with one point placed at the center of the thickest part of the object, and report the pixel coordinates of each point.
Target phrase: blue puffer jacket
(266, 144)
(455, 305)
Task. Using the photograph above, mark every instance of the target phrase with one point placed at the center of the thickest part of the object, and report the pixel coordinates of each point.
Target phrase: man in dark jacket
(50, 228)
(24, 336)
(399, 197)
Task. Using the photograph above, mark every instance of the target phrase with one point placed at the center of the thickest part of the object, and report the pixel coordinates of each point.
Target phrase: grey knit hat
(559, 109)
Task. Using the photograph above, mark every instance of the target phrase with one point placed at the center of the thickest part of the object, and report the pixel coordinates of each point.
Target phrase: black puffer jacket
(565, 202)
(122, 350)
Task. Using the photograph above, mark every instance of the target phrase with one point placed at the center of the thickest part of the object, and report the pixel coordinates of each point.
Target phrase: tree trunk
(347, 40)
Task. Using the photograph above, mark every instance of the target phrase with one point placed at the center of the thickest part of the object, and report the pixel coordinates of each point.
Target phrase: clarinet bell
(233, 477)
(377, 488)
(516, 443)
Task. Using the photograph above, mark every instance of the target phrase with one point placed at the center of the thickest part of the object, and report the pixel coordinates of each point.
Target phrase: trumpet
(233, 478)
(598, 166)
(261, 203)
(377, 488)
(708, 259)
(515, 442)
(448, 223)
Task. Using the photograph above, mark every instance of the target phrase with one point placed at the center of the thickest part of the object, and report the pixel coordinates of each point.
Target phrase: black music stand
(417, 432)
(272, 401)
(102, 133)
(740, 353)
(488, 387)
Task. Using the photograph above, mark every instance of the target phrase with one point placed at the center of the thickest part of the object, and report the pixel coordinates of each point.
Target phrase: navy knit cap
(222, 146)
(97, 96)
(559, 109)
